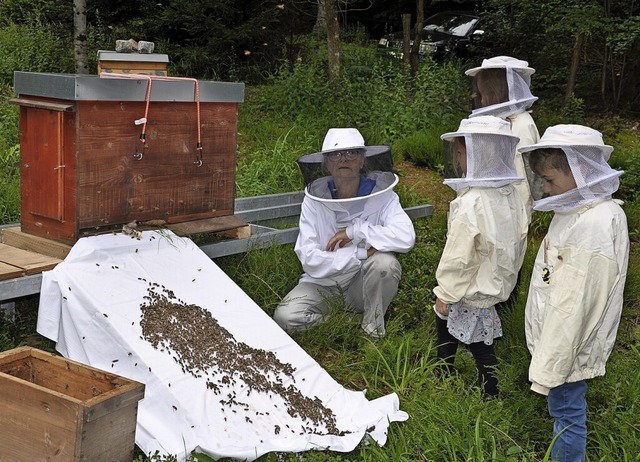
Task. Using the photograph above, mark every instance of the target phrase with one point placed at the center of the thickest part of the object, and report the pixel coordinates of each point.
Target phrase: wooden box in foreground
(59, 410)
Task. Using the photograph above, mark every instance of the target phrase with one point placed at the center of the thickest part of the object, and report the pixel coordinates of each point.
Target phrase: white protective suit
(571, 322)
(377, 220)
(486, 236)
(524, 127)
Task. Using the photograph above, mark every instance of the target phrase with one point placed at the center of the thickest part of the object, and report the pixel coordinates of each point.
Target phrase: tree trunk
(605, 58)
(621, 78)
(321, 19)
(573, 70)
(417, 39)
(603, 77)
(333, 40)
(406, 39)
(80, 36)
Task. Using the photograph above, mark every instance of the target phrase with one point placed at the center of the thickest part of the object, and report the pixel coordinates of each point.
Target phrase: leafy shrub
(9, 186)
(442, 95)
(632, 210)
(8, 120)
(424, 148)
(629, 161)
(270, 170)
(34, 48)
(374, 95)
(547, 114)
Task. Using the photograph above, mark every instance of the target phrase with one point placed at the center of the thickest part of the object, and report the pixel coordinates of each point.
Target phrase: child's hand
(442, 307)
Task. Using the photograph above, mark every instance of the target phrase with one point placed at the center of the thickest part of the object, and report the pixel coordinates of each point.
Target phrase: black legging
(483, 354)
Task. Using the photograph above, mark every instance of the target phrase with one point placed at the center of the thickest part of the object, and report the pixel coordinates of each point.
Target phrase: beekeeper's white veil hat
(490, 153)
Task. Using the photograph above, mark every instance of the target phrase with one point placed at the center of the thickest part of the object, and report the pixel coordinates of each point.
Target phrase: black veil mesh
(376, 158)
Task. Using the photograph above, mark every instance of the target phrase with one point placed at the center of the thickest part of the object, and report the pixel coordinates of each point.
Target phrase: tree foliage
(254, 39)
(544, 33)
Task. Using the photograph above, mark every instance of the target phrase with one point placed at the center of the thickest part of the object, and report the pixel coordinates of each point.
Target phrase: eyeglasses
(348, 155)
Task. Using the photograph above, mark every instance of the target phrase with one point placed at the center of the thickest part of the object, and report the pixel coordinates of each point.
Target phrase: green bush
(35, 48)
(9, 185)
(549, 112)
(375, 95)
(8, 120)
(424, 148)
(627, 159)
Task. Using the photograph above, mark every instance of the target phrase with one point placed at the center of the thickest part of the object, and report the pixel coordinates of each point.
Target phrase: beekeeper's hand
(340, 239)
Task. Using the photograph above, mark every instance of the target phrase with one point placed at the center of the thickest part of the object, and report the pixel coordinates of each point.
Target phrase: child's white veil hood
(588, 157)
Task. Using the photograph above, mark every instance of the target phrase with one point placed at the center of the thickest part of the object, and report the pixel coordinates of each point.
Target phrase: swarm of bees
(208, 351)
(130, 229)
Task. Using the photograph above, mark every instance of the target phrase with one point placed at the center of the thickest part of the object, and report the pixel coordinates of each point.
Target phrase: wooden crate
(60, 410)
(79, 144)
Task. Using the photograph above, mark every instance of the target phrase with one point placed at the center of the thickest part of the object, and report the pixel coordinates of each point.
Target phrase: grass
(448, 419)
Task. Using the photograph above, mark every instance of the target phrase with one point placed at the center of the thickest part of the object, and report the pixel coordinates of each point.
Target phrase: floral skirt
(471, 325)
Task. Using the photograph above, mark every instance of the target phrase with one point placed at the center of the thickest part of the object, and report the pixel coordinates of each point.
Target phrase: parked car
(445, 34)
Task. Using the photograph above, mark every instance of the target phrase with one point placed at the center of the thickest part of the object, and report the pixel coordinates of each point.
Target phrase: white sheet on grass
(90, 305)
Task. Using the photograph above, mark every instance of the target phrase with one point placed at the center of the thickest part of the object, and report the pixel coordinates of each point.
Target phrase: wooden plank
(115, 187)
(28, 414)
(208, 225)
(16, 238)
(51, 106)
(8, 271)
(30, 262)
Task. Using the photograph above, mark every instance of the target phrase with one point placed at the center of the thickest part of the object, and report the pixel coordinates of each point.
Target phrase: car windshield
(451, 24)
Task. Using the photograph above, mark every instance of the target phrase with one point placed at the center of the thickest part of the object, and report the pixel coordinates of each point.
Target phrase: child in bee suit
(576, 291)
(351, 227)
(501, 88)
(486, 240)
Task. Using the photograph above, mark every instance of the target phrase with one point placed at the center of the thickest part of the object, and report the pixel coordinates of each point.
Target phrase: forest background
(587, 71)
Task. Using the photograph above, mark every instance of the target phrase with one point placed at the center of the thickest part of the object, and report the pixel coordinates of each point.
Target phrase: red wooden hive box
(84, 166)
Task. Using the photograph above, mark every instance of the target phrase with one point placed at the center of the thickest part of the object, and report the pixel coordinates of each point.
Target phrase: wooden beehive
(84, 168)
(60, 410)
(132, 63)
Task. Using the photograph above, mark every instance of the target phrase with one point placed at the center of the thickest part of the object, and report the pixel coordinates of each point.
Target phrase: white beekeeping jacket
(576, 294)
(487, 227)
(487, 235)
(376, 220)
